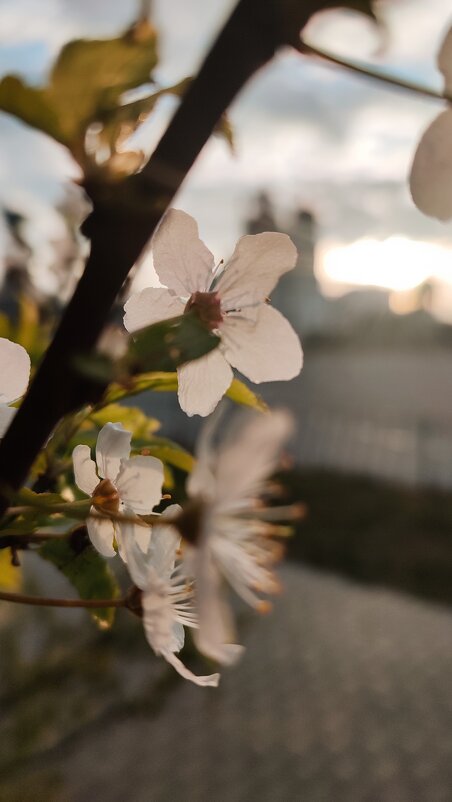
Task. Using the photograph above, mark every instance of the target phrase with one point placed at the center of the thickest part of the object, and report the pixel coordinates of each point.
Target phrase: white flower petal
(260, 437)
(136, 558)
(203, 382)
(6, 415)
(216, 626)
(445, 60)
(150, 306)
(113, 445)
(165, 543)
(201, 481)
(211, 680)
(14, 371)
(101, 532)
(84, 470)
(159, 555)
(431, 172)
(181, 260)
(139, 534)
(267, 350)
(139, 483)
(255, 267)
(178, 637)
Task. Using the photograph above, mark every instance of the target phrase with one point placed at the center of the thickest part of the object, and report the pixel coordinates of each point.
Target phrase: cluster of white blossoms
(183, 560)
(221, 534)
(431, 172)
(220, 537)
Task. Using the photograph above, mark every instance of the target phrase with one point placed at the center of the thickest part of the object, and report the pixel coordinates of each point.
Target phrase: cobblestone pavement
(344, 695)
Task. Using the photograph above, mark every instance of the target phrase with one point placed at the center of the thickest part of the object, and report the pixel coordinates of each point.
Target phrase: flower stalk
(370, 72)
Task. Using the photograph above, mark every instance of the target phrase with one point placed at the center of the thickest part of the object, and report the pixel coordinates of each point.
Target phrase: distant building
(297, 294)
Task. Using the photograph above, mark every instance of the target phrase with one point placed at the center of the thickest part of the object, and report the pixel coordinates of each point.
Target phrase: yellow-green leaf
(42, 501)
(90, 76)
(10, 575)
(160, 381)
(29, 105)
(241, 394)
(132, 418)
(86, 82)
(169, 453)
(89, 574)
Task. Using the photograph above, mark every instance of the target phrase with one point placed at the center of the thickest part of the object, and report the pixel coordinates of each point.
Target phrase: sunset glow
(396, 263)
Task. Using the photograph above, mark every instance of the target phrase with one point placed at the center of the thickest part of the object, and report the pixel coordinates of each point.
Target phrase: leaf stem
(42, 601)
(370, 72)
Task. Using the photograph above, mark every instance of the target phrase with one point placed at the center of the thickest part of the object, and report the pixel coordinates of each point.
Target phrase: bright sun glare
(396, 263)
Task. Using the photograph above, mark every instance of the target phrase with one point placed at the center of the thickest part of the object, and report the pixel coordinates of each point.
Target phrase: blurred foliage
(85, 84)
(85, 104)
(29, 330)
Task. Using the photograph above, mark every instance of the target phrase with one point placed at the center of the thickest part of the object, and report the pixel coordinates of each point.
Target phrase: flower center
(106, 497)
(207, 307)
(189, 520)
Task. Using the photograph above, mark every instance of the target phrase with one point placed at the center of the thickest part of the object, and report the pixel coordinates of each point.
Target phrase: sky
(311, 135)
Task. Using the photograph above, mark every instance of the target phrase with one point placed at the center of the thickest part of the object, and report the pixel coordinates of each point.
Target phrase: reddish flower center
(106, 497)
(207, 306)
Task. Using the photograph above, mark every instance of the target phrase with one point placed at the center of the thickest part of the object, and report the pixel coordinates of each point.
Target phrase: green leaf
(98, 368)
(42, 501)
(132, 418)
(241, 394)
(160, 381)
(86, 83)
(90, 76)
(169, 453)
(87, 572)
(29, 105)
(166, 345)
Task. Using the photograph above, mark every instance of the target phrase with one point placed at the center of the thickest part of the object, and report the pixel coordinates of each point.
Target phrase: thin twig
(370, 72)
(42, 601)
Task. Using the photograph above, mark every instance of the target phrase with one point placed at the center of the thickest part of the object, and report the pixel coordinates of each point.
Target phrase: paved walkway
(344, 695)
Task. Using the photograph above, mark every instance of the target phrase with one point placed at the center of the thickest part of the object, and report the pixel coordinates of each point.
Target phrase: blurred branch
(125, 215)
(42, 601)
(370, 72)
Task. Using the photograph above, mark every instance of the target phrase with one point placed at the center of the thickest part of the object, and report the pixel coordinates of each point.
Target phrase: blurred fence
(418, 453)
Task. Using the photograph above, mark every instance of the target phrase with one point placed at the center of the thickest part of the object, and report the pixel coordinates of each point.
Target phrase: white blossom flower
(167, 599)
(231, 539)
(118, 485)
(14, 375)
(255, 338)
(431, 172)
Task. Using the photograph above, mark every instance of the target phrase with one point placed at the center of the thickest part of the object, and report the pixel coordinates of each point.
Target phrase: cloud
(313, 135)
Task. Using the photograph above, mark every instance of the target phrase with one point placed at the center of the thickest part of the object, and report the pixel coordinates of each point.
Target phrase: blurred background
(344, 692)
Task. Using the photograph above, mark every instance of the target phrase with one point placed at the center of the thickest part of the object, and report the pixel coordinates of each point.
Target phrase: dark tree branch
(126, 214)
